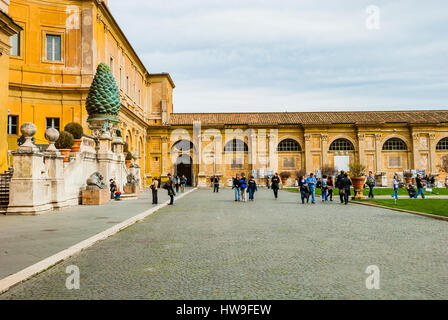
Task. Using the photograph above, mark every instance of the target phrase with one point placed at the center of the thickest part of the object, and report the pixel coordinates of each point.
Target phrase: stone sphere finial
(52, 135)
(28, 130)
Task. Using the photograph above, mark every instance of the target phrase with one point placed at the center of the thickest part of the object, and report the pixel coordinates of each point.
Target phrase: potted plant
(64, 144)
(328, 170)
(285, 176)
(357, 175)
(128, 159)
(77, 131)
(407, 177)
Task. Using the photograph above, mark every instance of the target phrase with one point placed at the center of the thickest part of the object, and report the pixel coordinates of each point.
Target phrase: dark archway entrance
(184, 166)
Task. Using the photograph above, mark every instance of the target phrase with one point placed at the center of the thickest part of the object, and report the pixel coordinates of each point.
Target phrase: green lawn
(385, 191)
(433, 206)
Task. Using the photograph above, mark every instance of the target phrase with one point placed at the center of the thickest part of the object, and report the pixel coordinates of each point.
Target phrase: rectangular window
(12, 124)
(237, 164)
(288, 163)
(53, 46)
(53, 123)
(394, 162)
(15, 45)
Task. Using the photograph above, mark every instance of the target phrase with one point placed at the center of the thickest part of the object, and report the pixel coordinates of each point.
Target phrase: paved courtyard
(209, 247)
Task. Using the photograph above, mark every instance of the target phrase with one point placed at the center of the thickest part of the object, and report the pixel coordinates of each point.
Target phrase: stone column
(29, 187)
(308, 155)
(324, 140)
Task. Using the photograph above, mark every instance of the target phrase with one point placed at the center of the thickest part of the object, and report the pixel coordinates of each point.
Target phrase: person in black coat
(275, 185)
(339, 186)
(345, 186)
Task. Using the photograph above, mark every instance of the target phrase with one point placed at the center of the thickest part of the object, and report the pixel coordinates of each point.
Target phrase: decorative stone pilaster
(308, 155)
(273, 153)
(218, 155)
(432, 154)
(361, 148)
(378, 149)
(415, 150)
(165, 156)
(324, 144)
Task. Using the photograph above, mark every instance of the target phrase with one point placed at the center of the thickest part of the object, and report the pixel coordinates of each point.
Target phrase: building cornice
(7, 25)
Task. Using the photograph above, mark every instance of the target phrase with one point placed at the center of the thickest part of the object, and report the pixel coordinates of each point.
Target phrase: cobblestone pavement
(26, 240)
(207, 246)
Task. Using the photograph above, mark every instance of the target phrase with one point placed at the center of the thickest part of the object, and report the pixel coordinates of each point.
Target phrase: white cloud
(257, 55)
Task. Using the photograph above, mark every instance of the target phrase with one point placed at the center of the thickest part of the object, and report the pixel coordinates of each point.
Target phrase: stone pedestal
(95, 197)
(202, 181)
(131, 190)
(54, 163)
(29, 188)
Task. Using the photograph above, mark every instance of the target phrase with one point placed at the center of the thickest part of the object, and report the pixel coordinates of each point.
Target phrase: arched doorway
(184, 166)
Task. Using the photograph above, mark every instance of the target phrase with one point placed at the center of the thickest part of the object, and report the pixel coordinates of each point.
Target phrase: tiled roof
(310, 118)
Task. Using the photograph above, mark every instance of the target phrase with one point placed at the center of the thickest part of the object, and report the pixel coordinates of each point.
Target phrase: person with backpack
(304, 190)
(243, 187)
(324, 188)
(346, 184)
(311, 182)
(236, 187)
(371, 184)
(215, 181)
(330, 184)
(183, 182)
(154, 188)
(168, 186)
(252, 188)
(112, 188)
(339, 179)
(275, 185)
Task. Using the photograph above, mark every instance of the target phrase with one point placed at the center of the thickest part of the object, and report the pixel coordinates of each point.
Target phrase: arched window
(341, 145)
(183, 145)
(236, 145)
(443, 144)
(395, 144)
(289, 145)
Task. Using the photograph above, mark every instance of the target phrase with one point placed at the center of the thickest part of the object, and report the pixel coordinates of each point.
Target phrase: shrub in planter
(408, 176)
(328, 170)
(300, 173)
(285, 176)
(357, 170)
(64, 144)
(357, 173)
(77, 131)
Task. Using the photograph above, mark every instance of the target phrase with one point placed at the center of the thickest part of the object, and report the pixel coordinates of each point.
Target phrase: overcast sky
(293, 55)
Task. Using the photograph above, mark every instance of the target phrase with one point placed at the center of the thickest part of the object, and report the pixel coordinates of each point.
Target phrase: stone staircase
(5, 179)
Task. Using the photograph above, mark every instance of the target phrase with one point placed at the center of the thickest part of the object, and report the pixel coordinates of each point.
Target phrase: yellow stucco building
(52, 63)
(8, 28)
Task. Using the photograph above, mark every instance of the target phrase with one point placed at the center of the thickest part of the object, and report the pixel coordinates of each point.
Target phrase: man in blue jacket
(311, 182)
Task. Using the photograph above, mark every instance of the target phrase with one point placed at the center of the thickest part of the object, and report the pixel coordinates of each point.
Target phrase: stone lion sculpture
(132, 180)
(95, 182)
